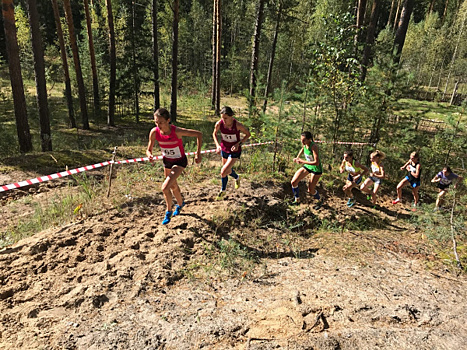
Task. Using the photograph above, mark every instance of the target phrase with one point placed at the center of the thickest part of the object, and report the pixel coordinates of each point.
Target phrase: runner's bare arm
(192, 133)
(436, 178)
(342, 167)
(214, 136)
(152, 141)
(247, 134)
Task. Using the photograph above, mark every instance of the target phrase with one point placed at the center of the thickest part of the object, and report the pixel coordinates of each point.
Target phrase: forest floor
(248, 272)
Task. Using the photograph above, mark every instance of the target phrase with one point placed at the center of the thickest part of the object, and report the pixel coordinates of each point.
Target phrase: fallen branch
(258, 339)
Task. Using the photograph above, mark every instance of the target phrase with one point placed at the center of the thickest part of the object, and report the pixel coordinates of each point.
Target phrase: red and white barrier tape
(348, 143)
(96, 166)
(45, 178)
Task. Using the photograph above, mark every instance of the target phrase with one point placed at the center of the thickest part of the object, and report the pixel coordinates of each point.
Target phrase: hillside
(248, 272)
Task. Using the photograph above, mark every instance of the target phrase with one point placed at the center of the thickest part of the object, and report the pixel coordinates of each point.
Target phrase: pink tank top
(171, 145)
(229, 136)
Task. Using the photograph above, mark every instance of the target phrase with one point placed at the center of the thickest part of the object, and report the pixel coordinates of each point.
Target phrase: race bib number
(173, 153)
(445, 181)
(229, 137)
(308, 157)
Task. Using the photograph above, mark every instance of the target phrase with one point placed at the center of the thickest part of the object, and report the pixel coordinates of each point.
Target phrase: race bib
(308, 157)
(350, 169)
(444, 181)
(229, 137)
(172, 153)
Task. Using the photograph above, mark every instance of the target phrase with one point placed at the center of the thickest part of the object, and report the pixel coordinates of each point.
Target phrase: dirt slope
(119, 280)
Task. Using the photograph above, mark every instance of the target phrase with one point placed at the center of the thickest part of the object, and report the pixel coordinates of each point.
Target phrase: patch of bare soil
(120, 280)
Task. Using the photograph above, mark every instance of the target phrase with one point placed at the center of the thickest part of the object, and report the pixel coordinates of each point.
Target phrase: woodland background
(338, 68)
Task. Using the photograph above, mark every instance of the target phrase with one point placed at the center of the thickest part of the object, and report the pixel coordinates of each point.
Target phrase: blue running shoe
(168, 216)
(178, 208)
(317, 196)
(351, 202)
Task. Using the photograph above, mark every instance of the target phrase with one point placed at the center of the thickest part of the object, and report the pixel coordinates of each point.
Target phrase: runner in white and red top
(230, 146)
(169, 138)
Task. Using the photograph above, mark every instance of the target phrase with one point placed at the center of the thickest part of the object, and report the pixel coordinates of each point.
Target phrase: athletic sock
(234, 174)
(224, 183)
(295, 192)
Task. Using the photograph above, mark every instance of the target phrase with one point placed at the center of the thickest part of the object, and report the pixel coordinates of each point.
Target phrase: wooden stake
(114, 153)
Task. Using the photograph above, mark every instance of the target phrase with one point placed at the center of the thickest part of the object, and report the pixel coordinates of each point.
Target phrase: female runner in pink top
(169, 138)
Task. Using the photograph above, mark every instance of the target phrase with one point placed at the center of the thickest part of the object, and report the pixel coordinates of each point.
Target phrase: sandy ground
(120, 280)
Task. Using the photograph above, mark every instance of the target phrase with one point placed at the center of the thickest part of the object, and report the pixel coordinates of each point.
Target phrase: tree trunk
(218, 58)
(271, 59)
(397, 14)
(361, 8)
(173, 95)
(461, 31)
(255, 53)
(95, 80)
(454, 92)
(445, 11)
(401, 32)
(214, 54)
(16, 79)
(66, 73)
(370, 38)
(155, 56)
(79, 75)
(136, 83)
(430, 10)
(390, 13)
(113, 65)
(39, 70)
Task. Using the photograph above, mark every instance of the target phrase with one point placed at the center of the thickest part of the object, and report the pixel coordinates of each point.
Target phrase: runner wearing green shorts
(311, 165)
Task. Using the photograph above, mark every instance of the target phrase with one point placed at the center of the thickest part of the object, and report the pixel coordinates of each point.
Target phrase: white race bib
(229, 137)
(173, 153)
(444, 181)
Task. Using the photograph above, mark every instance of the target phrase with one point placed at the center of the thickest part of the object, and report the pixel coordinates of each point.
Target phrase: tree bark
(430, 10)
(445, 11)
(155, 56)
(66, 73)
(136, 79)
(79, 74)
(461, 32)
(397, 14)
(271, 59)
(92, 55)
(39, 70)
(255, 52)
(361, 8)
(173, 95)
(16, 79)
(401, 32)
(214, 54)
(370, 38)
(390, 13)
(218, 58)
(454, 92)
(113, 65)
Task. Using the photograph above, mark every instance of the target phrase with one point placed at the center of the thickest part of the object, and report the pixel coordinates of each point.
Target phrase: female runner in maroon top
(169, 138)
(230, 147)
